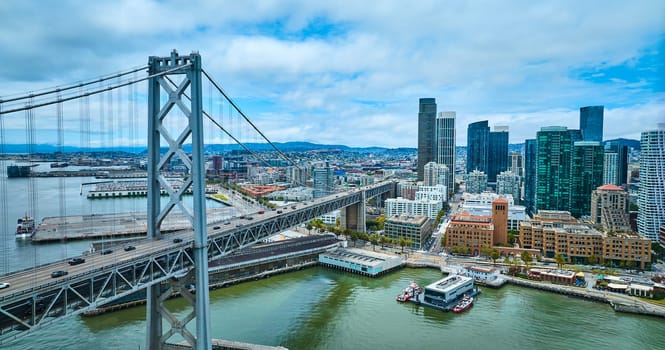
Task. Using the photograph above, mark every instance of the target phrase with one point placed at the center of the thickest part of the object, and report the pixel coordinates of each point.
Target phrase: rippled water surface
(320, 308)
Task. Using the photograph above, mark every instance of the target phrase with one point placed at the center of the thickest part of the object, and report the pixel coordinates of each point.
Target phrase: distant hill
(292, 146)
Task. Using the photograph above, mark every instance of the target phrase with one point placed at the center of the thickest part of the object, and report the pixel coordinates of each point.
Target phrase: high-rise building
(497, 159)
(516, 163)
(610, 171)
(435, 174)
(530, 174)
(445, 145)
(477, 146)
(651, 196)
(476, 182)
(586, 176)
(426, 133)
(609, 208)
(553, 179)
(591, 123)
(323, 180)
(621, 161)
(508, 183)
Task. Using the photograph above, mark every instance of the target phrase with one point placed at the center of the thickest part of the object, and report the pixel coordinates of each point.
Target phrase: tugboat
(25, 227)
(463, 305)
(411, 291)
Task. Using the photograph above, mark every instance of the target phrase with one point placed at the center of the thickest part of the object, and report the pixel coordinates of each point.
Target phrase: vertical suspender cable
(3, 197)
(61, 179)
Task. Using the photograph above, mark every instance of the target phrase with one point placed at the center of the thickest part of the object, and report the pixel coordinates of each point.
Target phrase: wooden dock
(111, 226)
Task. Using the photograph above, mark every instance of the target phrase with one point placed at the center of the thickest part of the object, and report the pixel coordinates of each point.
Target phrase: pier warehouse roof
(360, 261)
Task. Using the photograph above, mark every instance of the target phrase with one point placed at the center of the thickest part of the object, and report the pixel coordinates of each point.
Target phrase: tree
(593, 259)
(385, 240)
(494, 255)
(409, 242)
(512, 236)
(354, 237)
(485, 250)
(527, 258)
(402, 243)
(309, 227)
(559, 260)
(374, 238)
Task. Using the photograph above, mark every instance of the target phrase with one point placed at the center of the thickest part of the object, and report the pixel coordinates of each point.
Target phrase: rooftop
(449, 283)
(610, 187)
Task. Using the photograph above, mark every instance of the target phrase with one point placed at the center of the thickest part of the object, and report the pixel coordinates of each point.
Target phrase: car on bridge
(177, 240)
(106, 251)
(58, 273)
(76, 261)
(4, 285)
(129, 248)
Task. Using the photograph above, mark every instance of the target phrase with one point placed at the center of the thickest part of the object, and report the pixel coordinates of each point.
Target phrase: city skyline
(353, 73)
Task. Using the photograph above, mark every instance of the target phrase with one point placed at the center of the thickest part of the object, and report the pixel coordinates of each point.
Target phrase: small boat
(411, 291)
(463, 305)
(25, 227)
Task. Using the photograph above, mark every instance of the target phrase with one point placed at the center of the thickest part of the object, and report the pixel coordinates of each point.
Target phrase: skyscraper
(445, 145)
(530, 174)
(610, 171)
(497, 159)
(477, 146)
(621, 161)
(591, 123)
(426, 133)
(553, 182)
(651, 196)
(323, 180)
(586, 175)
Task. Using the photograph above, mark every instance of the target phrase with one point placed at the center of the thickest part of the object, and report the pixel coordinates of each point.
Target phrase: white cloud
(358, 81)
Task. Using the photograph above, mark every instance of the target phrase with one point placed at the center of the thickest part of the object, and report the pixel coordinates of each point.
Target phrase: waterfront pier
(117, 225)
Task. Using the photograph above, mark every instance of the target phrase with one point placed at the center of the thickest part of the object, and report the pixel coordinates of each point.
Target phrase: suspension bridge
(102, 116)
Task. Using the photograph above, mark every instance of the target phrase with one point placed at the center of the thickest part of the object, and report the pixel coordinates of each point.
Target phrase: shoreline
(618, 302)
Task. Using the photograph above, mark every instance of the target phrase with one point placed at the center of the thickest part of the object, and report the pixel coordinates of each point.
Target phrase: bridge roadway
(36, 299)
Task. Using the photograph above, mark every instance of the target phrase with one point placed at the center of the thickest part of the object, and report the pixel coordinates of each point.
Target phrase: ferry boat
(25, 227)
(463, 305)
(411, 291)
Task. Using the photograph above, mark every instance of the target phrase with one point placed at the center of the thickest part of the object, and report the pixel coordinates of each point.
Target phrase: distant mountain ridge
(291, 146)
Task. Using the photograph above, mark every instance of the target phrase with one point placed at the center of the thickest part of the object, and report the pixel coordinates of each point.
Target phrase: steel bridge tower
(176, 76)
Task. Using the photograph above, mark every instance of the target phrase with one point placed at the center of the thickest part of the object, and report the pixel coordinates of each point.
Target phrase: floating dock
(119, 225)
(444, 294)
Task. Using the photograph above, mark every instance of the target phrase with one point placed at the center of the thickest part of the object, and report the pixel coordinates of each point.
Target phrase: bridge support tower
(353, 216)
(179, 77)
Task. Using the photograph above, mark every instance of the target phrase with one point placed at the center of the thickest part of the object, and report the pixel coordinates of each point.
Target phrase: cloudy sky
(351, 72)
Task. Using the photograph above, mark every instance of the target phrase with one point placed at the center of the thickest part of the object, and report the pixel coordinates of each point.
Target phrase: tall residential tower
(426, 133)
(651, 196)
(445, 145)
